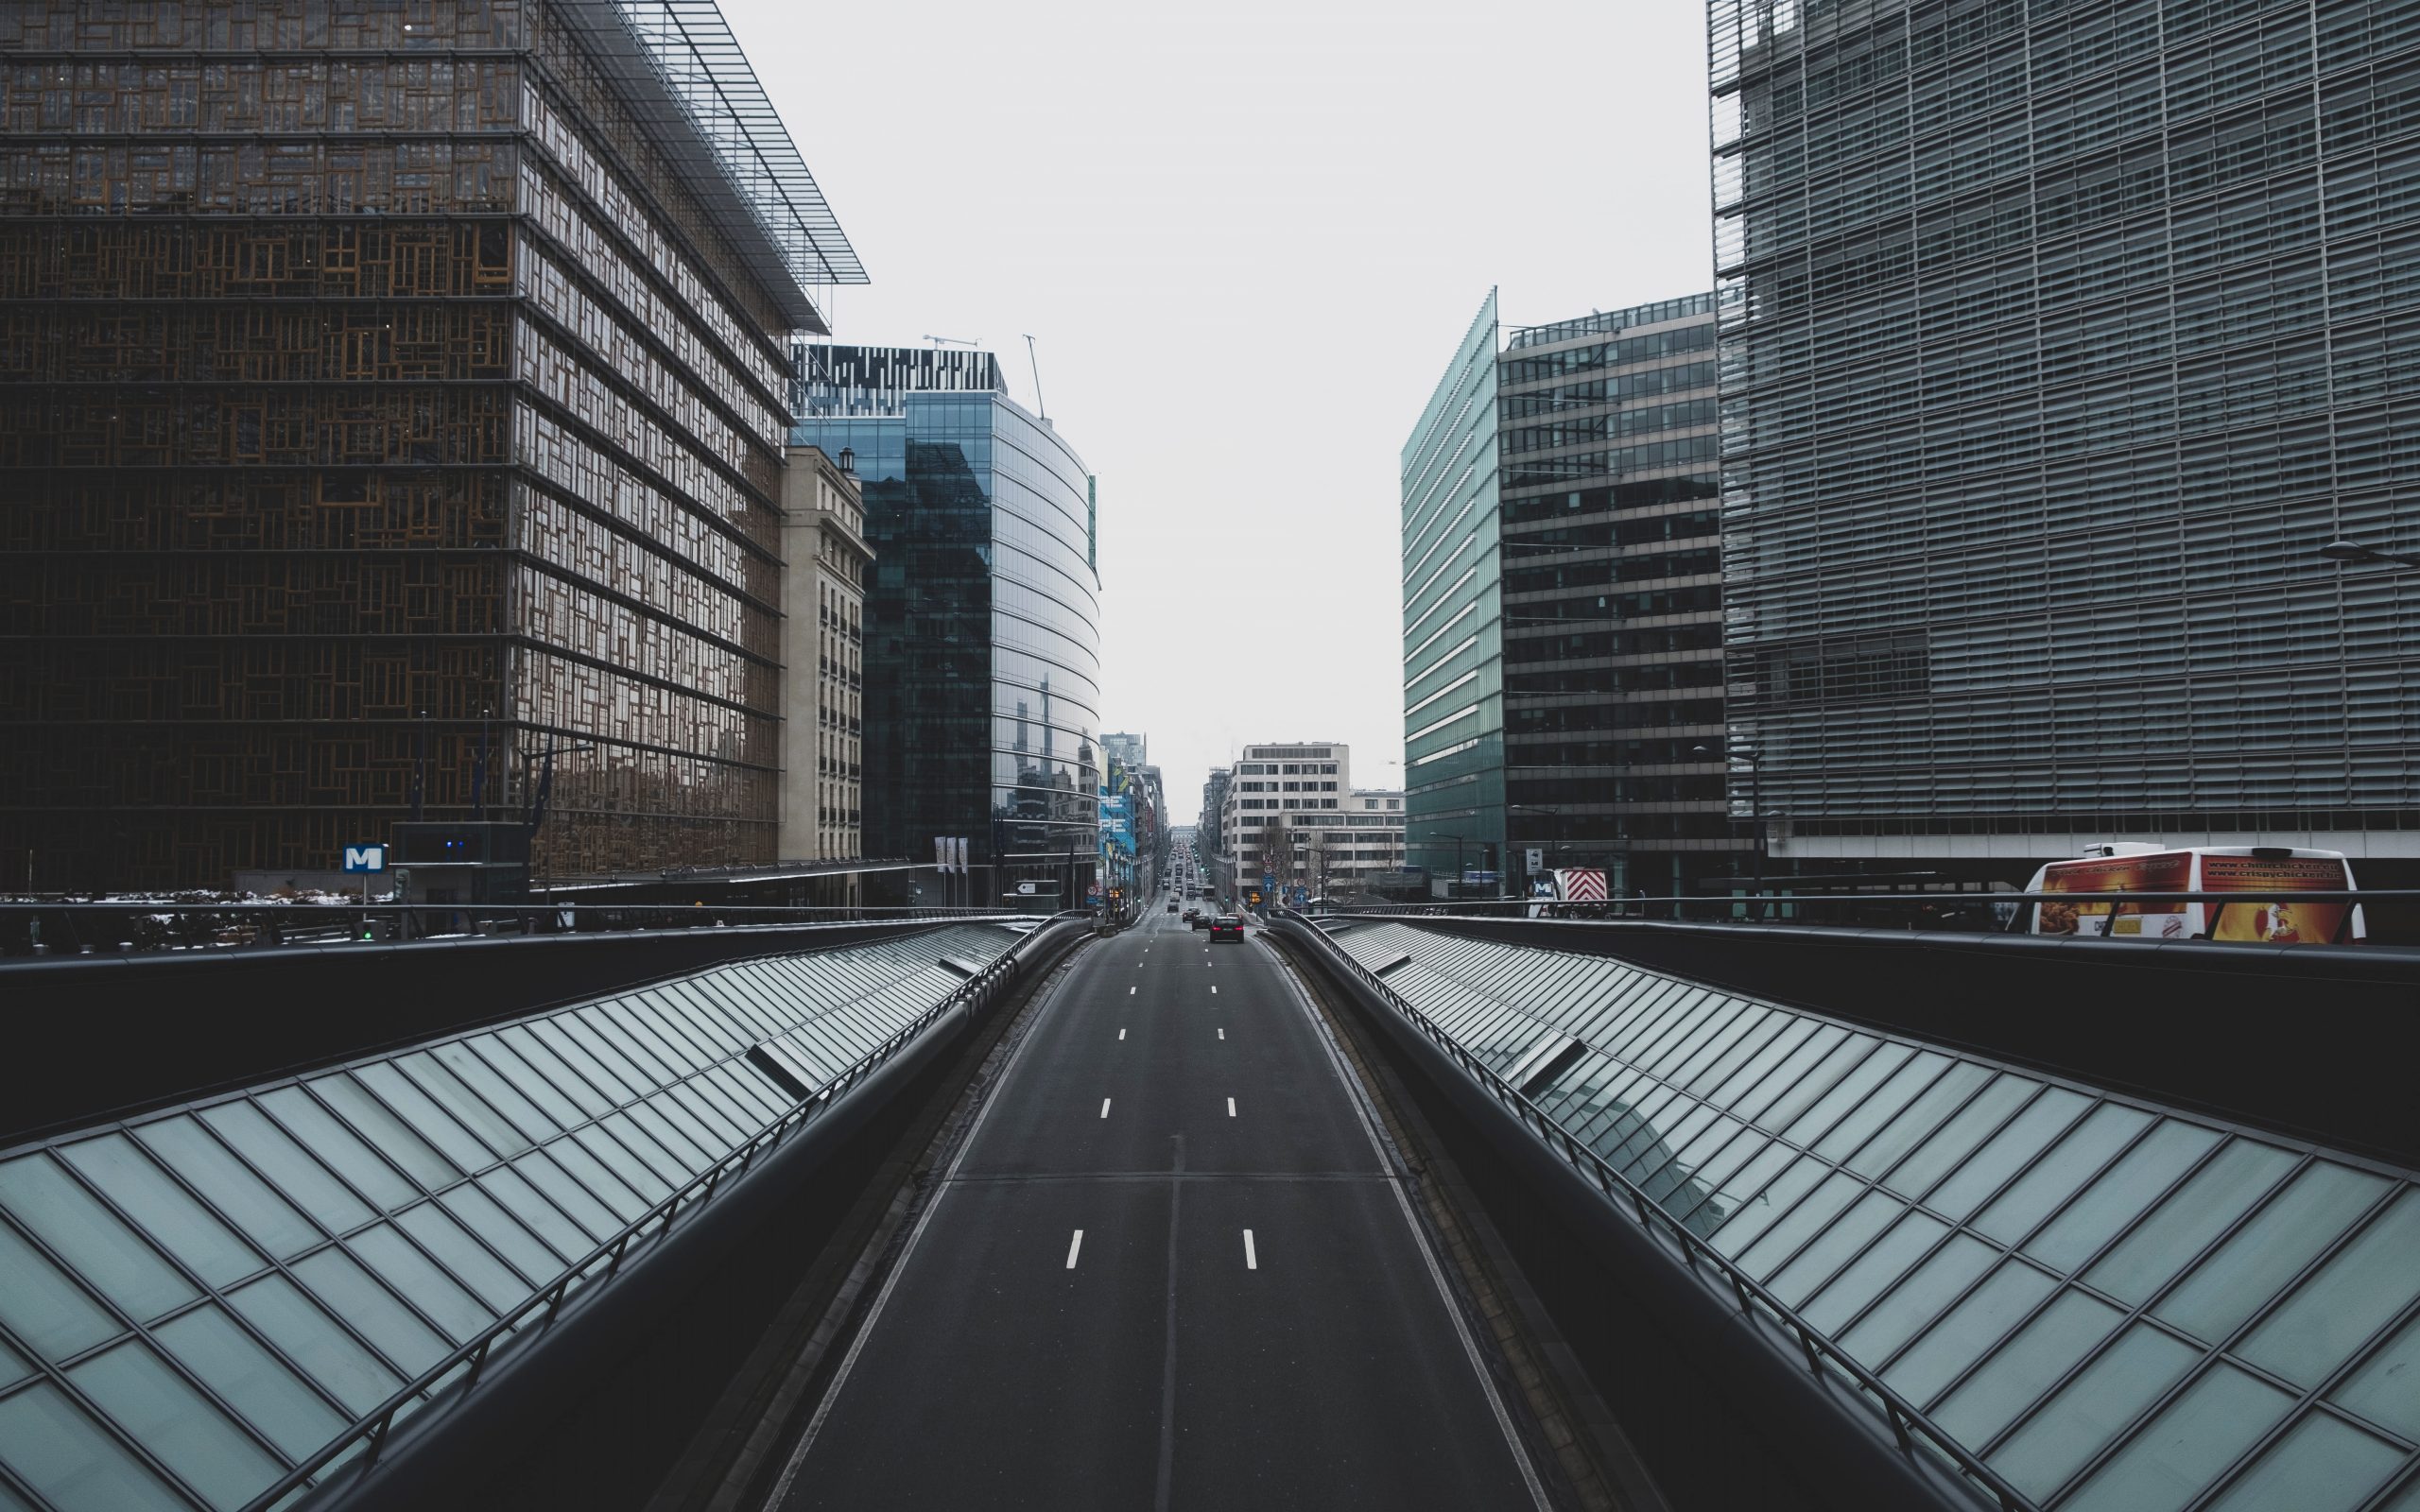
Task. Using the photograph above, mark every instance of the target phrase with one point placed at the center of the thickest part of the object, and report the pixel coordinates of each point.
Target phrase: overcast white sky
(1247, 238)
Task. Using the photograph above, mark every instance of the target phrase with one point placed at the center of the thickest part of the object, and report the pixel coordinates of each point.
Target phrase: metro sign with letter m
(360, 858)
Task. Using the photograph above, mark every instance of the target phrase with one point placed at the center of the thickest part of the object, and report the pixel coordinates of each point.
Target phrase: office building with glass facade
(390, 396)
(2056, 341)
(1563, 672)
(982, 640)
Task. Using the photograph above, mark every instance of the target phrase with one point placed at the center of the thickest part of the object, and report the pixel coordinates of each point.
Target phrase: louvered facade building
(392, 415)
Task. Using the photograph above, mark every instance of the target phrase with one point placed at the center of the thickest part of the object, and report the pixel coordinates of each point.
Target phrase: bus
(2134, 867)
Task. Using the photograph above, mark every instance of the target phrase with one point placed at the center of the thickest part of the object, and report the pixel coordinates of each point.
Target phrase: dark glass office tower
(982, 649)
(1562, 606)
(1612, 598)
(2058, 338)
(390, 396)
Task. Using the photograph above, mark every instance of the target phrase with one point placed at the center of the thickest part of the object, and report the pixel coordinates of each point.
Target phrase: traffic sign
(365, 858)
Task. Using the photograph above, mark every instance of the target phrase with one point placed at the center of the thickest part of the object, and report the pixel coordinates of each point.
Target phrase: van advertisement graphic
(2280, 923)
(2155, 871)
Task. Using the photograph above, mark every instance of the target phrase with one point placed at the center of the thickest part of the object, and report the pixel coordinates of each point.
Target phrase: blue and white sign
(365, 858)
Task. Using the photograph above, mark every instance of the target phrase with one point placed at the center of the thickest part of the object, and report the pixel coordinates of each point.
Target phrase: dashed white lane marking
(1131, 991)
(1122, 1034)
(1252, 1258)
(1214, 990)
(1222, 1034)
(1074, 1244)
(1231, 1107)
(1104, 1108)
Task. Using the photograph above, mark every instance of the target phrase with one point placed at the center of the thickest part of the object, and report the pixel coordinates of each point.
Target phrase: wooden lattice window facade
(373, 392)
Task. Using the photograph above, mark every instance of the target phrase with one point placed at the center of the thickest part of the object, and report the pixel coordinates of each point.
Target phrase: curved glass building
(983, 618)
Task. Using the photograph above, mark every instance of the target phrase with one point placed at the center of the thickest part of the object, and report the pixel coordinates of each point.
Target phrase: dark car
(1201, 919)
(1171, 907)
(1227, 926)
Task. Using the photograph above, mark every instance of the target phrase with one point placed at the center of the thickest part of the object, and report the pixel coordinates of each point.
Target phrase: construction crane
(940, 342)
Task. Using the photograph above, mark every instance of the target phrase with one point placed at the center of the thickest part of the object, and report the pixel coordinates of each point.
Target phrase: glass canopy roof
(2122, 1308)
(194, 1301)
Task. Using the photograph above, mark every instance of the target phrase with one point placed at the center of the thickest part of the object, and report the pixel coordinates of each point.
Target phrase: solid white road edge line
(1074, 1244)
(1420, 1239)
(898, 1267)
(1252, 1258)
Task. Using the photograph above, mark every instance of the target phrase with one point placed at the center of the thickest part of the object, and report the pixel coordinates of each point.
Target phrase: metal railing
(98, 928)
(1624, 1196)
(470, 1359)
(1757, 907)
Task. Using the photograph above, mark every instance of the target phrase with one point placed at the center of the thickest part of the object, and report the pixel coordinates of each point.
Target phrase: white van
(2134, 867)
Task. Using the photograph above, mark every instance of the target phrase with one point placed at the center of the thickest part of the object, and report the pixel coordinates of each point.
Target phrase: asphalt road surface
(1167, 1271)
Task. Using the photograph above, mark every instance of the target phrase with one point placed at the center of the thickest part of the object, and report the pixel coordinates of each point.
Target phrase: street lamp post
(1747, 756)
(1441, 834)
(2352, 554)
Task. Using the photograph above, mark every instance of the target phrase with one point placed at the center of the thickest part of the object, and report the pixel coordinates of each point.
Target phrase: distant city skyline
(1262, 222)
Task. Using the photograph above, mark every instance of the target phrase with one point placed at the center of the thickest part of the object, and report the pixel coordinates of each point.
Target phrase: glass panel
(159, 1410)
(2259, 1258)
(1914, 1234)
(561, 1075)
(494, 1090)
(2093, 1408)
(2120, 1195)
(2212, 1198)
(1763, 1207)
(305, 1335)
(1965, 1330)
(536, 1262)
(1956, 1140)
(353, 1293)
(43, 1307)
(287, 1165)
(438, 1296)
(2386, 1389)
(250, 1379)
(2023, 1368)
(590, 1171)
(2192, 1440)
(573, 1053)
(456, 1099)
(553, 1101)
(582, 1209)
(396, 1090)
(152, 1199)
(72, 1461)
(1802, 1078)
(1889, 1101)
(2001, 1156)
(89, 1239)
(393, 1137)
(674, 1140)
(13, 1366)
(2068, 1165)
(1918, 1118)
(1816, 1262)
(1801, 1224)
(516, 1197)
(619, 1140)
(491, 1277)
(2324, 1464)
(1793, 1034)
(339, 1146)
(1732, 1192)
(1850, 1090)
(2346, 1302)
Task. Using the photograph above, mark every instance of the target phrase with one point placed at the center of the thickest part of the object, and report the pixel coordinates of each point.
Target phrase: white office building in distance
(1292, 813)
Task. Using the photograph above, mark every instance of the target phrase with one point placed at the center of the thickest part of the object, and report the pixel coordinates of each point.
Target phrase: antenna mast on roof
(1038, 402)
(940, 342)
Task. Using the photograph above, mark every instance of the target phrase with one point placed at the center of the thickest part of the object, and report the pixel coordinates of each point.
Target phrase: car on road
(1171, 905)
(1227, 926)
(1202, 921)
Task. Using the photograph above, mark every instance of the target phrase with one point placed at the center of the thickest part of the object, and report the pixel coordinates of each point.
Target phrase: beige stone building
(823, 659)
